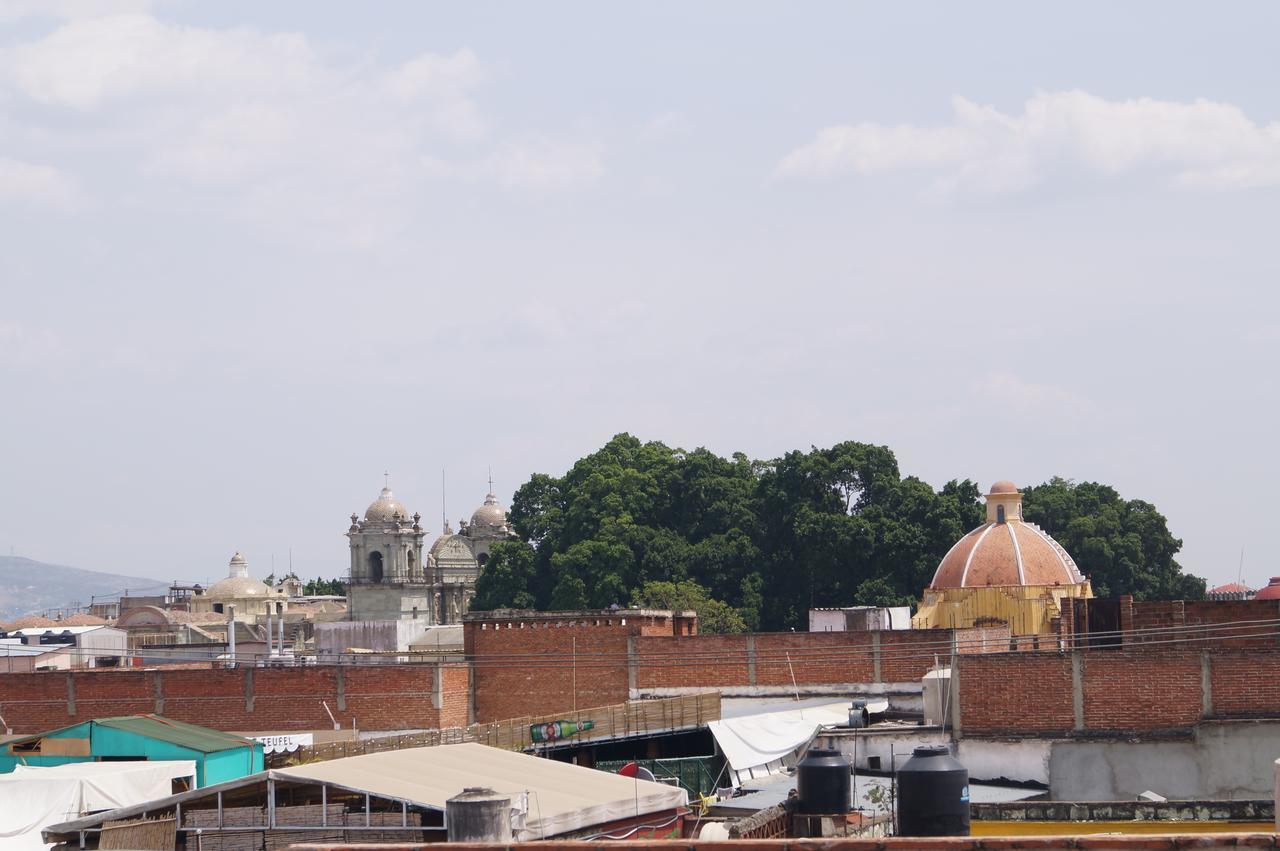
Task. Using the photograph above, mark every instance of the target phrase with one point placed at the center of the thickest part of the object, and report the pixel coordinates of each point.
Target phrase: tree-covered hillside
(639, 522)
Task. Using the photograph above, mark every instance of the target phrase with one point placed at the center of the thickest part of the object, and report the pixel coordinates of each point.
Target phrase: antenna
(386, 479)
(490, 478)
(1240, 576)
(444, 511)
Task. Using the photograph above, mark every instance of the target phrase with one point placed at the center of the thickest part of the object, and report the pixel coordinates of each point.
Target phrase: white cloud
(37, 185)
(1201, 143)
(308, 142)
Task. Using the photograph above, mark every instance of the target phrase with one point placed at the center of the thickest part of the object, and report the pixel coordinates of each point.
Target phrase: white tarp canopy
(34, 797)
(561, 797)
(756, 745)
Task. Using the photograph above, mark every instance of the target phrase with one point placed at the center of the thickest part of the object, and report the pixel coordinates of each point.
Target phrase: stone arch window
(217, 607)
(375, 567)
(482, 558)
(413, 565)
(999, 513)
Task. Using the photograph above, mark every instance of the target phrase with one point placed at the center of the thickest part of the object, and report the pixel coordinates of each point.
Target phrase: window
(217, 607)
(999, 513)
(375, 567)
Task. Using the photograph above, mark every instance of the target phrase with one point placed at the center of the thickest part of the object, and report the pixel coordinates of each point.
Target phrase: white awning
(756, 745)
(34, 797)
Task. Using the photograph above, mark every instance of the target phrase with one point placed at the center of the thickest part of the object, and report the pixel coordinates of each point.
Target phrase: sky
(253, 256)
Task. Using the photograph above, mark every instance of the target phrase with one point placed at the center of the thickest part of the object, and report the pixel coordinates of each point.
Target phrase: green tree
(714, 616)
(1123, 546)
(771, 539)
(509, 579)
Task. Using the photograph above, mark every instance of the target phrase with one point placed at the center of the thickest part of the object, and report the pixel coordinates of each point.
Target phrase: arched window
(375, 567)
(999, 513)
(412, 563)
(482, 558)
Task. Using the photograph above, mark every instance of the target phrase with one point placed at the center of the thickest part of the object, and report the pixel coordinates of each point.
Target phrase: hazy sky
(252, 255)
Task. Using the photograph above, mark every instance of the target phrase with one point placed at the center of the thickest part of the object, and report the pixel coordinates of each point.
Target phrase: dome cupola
(1006, 550)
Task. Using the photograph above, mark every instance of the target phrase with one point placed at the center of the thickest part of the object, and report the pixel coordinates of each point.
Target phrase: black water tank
(933, 794)
(822, 783)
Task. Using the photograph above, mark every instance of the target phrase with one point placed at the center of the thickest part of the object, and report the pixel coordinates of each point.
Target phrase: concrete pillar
(280, 627)
(633, 668)
(270, 629)
(1206, 685)
(1077, 689)
(751, 660)
(157, 682)
(71, 694)
(954, 686)
(875, 655)
(231, 632)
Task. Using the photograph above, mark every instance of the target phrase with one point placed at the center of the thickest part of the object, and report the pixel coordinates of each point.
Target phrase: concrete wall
(1229, 760)
(390, 635)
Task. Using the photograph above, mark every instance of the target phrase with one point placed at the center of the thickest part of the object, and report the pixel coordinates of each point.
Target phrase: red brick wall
(1015, 692)
(1137, 689)
(818, 658)
(1245, 684)
(532, 667)
(707, 661)
(382, 697)
(1152, 689)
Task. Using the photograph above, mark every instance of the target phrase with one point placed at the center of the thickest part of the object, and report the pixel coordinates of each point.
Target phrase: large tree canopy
(767, 540)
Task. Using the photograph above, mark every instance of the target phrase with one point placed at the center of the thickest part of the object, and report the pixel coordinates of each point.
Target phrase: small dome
(1004, 486)
(490, 514)
(386, 508)
(440, 542)
(237, 587)
(1271, 592)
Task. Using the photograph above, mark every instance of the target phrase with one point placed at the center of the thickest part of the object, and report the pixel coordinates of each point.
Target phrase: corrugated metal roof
(190, 736)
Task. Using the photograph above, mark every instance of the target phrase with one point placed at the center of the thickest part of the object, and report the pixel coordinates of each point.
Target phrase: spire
(490, 479)
(386, 480)
(444, 513)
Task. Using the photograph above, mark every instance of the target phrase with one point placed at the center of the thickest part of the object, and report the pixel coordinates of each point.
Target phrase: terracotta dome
(1271, 592)
(1006, 550)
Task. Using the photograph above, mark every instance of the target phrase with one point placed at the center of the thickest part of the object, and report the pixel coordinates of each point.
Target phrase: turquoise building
(218, 756)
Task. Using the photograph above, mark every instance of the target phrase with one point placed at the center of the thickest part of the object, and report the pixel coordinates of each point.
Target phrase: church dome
(386, 507)
(1271, 591)
(234, 587)
(491, 513)
(440, 542)
(1006, 550)
(238, 584)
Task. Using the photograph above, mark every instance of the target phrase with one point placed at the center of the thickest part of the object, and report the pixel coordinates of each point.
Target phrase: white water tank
(936, 686)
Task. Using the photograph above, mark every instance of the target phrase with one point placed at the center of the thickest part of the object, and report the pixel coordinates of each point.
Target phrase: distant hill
(28, 586)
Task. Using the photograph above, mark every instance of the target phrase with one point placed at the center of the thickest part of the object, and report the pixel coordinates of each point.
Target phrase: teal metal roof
(190, 736)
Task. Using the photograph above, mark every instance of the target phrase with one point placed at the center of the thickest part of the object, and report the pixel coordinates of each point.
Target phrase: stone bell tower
(387, 574)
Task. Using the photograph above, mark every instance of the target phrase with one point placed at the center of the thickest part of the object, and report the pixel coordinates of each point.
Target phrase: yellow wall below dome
(1027, 609)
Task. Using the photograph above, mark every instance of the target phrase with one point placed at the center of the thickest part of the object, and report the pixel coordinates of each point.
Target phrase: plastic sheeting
(34, 797)
(757, 745)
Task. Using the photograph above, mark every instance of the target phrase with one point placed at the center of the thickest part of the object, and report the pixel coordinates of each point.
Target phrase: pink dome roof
(1271, 592)
(1012, 553)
